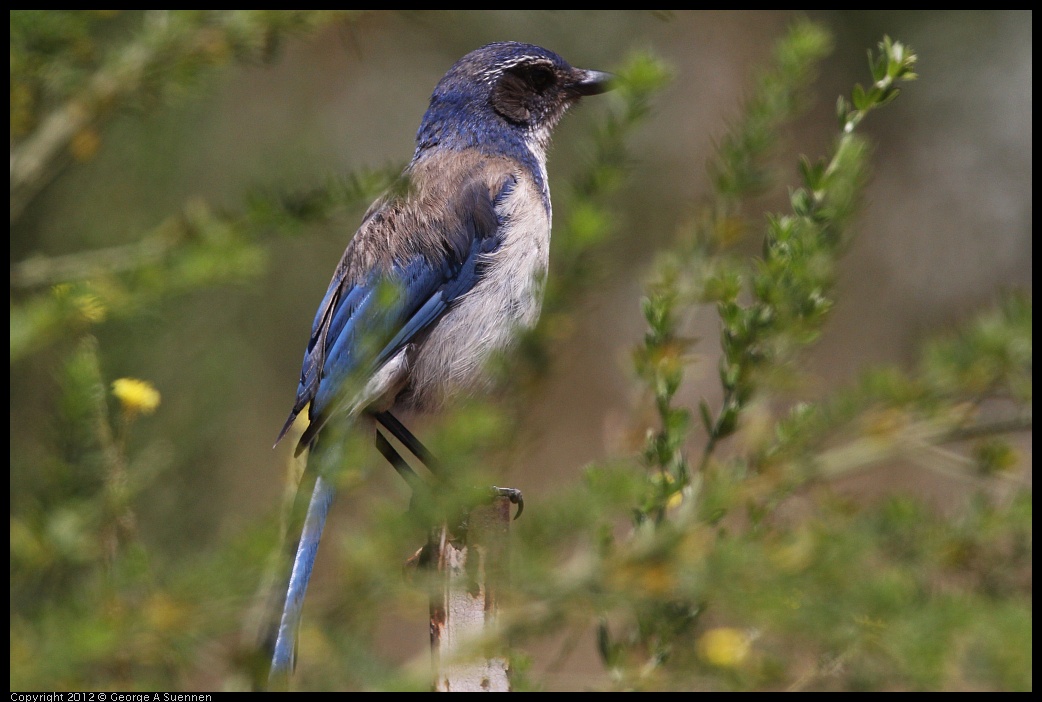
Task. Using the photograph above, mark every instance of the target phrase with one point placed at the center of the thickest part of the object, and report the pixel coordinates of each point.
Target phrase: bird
(444, 271)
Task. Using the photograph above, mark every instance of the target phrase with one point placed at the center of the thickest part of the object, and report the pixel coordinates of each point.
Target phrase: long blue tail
(285, 645)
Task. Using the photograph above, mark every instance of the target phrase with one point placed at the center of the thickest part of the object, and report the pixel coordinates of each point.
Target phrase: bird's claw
(512, 494)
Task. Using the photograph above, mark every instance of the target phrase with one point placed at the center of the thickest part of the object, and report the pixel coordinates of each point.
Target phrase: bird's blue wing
(366, 317)
(364, 320)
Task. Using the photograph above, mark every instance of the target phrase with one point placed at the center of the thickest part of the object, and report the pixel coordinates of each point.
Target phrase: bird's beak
(592, 82)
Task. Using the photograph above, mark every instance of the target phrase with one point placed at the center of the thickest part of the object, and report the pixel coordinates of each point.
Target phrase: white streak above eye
(493, 74)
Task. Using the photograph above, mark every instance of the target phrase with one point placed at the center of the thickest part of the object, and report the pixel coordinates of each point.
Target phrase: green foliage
(730, 592)
(722, 553)
(184, 253)
(65, 79)
(698, 270)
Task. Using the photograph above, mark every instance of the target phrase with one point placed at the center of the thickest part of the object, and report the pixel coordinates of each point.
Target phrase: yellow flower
(136, 396)
(676, 498)
(724, 647)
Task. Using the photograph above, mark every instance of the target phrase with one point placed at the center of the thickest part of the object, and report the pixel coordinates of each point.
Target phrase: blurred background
(944, 229)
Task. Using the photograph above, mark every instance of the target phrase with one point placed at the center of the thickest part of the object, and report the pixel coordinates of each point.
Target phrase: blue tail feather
(285, 645)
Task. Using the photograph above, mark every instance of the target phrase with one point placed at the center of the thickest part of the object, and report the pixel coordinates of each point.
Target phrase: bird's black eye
(541, 77)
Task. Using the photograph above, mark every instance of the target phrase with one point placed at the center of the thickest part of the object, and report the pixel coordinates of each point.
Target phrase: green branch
(166, 51)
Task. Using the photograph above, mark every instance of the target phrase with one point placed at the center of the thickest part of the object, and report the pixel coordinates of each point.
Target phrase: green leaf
(878, 66)
(859, 98)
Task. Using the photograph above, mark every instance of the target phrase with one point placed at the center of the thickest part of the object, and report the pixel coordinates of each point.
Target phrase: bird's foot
(512, 494)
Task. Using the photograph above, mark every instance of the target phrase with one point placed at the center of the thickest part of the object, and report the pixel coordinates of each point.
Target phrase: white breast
(484, 322)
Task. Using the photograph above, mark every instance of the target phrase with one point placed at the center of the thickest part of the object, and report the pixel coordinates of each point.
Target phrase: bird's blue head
(505, 98)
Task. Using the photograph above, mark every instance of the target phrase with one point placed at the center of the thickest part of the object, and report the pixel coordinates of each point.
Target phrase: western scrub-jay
(443, 270)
